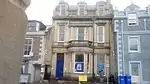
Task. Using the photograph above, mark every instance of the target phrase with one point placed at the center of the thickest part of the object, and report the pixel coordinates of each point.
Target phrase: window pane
(61, 37)
(131, 16)
(135, 69)
(30, 41)
(63, 10)
(134, 43)
(101, 38)
(61, 33)
(101, 33)
(80, 33)
(132, 19)
(79, 58)
(101, 58)
(27, 46)
(81, 9)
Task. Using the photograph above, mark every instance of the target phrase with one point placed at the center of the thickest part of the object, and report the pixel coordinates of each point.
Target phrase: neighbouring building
(34, 50)
(47, 51)
(132, 31)
(72, 39)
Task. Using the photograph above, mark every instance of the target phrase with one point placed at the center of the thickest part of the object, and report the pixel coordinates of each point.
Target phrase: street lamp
(93, 75)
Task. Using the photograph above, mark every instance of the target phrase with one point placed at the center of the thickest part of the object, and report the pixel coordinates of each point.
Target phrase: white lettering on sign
(79, 67)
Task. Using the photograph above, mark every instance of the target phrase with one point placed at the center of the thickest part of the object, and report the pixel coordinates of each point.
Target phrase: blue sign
(79, 67)
(100, 66)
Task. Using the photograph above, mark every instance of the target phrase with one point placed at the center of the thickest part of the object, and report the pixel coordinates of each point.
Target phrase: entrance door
(135, 71)
(60, 66)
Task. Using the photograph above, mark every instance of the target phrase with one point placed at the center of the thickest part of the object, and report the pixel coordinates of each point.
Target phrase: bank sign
(79, 66)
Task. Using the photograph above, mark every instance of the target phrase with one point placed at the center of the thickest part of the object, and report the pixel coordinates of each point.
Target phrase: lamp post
(93, 75)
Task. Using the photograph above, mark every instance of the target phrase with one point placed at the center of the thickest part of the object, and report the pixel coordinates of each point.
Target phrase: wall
(70, 32)
(11, 43)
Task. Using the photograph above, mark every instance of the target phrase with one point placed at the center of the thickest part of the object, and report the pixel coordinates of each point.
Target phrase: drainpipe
(93, 75)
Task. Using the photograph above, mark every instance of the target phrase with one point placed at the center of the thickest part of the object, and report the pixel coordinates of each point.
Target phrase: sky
(42, 10)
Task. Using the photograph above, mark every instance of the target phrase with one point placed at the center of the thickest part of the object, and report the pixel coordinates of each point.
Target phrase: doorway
(135, 71)
(59, 66)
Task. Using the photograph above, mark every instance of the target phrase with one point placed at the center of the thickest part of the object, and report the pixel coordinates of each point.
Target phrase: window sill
(134, 52)
(78, 72)
(61, 41)
(27, 56)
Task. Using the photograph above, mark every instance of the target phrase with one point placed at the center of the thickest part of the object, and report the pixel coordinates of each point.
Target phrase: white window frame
(104, 62)
(61, 9)
(74, 55)
(98, 34)
(59, 33)
(77, 33)
(31, 47)
(140, 71)
(133, 19)
(139, 45)
(80, 9)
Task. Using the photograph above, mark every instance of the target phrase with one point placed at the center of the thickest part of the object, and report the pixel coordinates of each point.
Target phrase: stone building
(132, 34)
(72, 43)
(34, 50)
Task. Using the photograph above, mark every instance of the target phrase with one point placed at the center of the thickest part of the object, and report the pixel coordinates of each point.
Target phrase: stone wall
(13, 24)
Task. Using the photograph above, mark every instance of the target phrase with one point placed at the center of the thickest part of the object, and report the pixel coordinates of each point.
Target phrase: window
(134, 44)
(88, 62)
(63, 10)
(101, 62)
(61, 32)
(132, 19)
(100, 34)
(135, 69)
(22, 69)
(32, 26)
(79, 58)
(101, 9)
(81, 10)
(79, 63)
(28, 46)
(80, 35)
(101, 58)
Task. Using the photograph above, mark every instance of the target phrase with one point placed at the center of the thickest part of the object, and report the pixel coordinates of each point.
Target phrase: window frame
(138, 46)
(62, 8)
(31, 47)
(59, 33)
(132, 19)
(105, 59)
(79, 9)
(77, 35)
(99, 10)
(75, 62)
(98, 34)
(130, 67)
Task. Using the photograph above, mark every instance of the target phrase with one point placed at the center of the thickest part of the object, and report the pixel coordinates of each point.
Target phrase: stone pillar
(13, 24)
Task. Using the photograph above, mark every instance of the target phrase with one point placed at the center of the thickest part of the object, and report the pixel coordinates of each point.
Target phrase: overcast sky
(42, 10)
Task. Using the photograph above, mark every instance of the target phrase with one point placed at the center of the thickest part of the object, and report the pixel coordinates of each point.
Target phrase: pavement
(64, 82)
